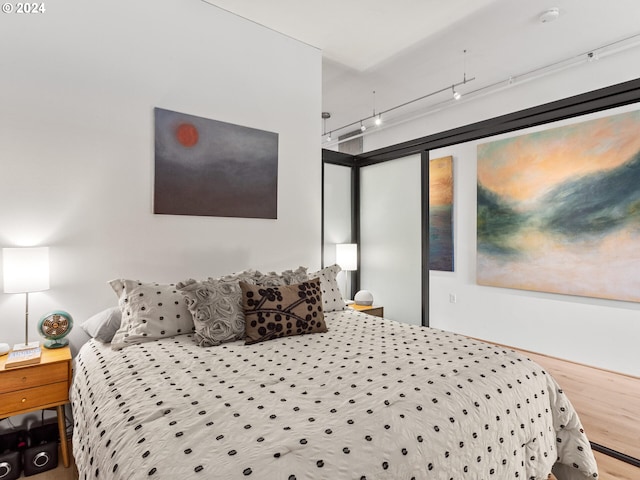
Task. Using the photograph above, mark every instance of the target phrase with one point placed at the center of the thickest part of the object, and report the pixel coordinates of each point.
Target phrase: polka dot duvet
(369, 399)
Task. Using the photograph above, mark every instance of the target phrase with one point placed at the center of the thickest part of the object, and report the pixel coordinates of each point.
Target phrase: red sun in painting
(187, 134)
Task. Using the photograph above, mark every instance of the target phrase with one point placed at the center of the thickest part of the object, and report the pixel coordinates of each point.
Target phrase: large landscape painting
(559, 210)
(213, 168)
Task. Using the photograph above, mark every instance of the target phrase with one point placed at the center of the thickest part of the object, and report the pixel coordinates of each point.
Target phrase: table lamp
(25, 270)
(347, 258)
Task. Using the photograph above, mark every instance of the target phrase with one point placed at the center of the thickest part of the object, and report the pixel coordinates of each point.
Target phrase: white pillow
(149, 311)
(103, 325)
(331, 297)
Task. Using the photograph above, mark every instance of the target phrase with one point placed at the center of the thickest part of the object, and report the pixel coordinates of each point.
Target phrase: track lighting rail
(379, 114)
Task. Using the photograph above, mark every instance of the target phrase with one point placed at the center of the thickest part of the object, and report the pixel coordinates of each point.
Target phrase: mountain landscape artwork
(559, 210)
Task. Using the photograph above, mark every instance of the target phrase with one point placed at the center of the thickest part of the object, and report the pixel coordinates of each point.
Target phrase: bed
(370, 398)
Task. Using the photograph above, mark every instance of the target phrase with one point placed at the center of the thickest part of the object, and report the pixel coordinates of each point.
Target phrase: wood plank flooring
(608, 404)
(611, 469)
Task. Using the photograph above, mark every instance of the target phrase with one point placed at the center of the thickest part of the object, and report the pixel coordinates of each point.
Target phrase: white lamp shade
(347, 256)
(25, 269)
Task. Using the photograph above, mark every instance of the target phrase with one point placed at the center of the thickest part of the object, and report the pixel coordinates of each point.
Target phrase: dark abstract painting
(559, 210)
(441, 214)
(212, 168)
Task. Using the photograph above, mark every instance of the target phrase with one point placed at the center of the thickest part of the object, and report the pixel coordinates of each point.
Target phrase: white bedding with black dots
(369, 399)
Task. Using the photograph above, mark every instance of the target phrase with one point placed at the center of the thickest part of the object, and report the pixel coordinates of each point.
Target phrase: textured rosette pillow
(216, 303)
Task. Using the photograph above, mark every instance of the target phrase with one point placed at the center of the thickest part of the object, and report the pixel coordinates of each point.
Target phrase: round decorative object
(363, 297)
(54, 326)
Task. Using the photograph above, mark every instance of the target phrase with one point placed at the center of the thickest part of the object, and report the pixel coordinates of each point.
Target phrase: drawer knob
(24, 400)
(24, 379)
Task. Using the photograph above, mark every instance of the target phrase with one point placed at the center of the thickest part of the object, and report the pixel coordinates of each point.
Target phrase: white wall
(598, 332)
(77, 91)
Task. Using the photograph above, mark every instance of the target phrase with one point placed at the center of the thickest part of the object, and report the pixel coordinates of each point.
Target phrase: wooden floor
(608, 404)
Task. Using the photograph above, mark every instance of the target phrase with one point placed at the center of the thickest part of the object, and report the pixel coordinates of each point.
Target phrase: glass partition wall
(381, 209)
(391, 236)
(337, 218)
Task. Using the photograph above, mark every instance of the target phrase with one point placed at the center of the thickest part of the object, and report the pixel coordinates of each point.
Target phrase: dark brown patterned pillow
(281, 311)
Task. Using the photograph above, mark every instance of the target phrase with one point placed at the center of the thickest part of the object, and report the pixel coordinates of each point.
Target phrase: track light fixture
(592, 55)
(325, 116)
(457, 95)
(378, 117)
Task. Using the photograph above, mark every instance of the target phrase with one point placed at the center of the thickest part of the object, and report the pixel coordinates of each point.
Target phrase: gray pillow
(103, 325)
(216, 307)
(287, 277)
(331, 296)
(216, 303)
(149, 311)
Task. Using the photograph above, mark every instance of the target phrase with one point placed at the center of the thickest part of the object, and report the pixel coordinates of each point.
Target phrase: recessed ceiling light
(549, 15)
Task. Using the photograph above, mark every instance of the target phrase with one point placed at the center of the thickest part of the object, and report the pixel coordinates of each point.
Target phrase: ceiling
(355, 33)
(405, 49)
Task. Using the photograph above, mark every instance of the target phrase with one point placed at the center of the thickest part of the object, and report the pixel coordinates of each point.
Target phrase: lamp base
(25, 346)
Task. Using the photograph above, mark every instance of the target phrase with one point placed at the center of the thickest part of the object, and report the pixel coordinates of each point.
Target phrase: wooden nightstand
(370, 309)
(39, 386)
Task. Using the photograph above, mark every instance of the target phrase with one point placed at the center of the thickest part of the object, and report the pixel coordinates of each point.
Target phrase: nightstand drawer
(38, 386)
(33, 398)
(33, 376)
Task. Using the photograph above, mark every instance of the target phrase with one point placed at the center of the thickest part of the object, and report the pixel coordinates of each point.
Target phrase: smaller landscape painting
(559, 210)
(211, 168)
(441, 214)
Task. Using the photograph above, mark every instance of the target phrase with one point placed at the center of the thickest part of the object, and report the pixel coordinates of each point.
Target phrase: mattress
(369, 399)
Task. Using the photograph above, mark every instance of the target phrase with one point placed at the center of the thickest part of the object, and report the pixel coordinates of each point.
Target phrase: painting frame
(440, 214)
(558, 208)
(207, 167)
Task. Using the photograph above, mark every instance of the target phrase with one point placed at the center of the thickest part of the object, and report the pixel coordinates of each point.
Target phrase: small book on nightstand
(18, 358)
